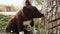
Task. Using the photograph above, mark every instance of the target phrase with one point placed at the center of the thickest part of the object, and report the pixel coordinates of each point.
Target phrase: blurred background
(50, 8)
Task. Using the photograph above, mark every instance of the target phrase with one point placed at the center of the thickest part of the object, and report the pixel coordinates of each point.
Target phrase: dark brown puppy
(28, 12)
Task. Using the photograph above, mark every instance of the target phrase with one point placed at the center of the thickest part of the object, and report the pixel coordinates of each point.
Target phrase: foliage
(3, 21)
(36, 22)
(37, 1)
(50, 33)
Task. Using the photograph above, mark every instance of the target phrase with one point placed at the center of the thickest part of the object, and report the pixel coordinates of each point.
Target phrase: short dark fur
(27, 13)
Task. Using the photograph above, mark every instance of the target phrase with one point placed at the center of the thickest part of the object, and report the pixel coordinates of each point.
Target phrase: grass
(3, 23)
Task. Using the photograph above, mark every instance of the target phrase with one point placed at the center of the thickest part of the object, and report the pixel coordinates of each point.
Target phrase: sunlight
(12, 2)
(8, 13)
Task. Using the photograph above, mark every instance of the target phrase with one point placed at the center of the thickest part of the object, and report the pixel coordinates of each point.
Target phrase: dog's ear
(32, 23)
(27, 2)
